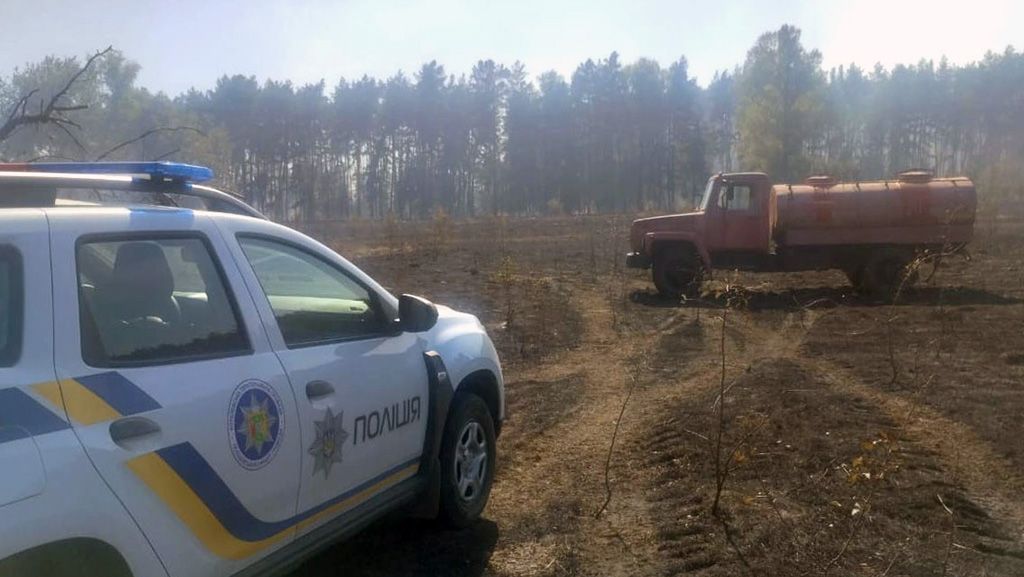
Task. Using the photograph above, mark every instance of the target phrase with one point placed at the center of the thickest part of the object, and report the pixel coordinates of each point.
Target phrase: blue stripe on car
(21, 416)
(118, 392)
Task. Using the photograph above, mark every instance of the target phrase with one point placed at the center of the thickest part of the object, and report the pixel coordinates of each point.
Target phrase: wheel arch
(443, 400)
(484, 384)
(72, 557)
(666, 241)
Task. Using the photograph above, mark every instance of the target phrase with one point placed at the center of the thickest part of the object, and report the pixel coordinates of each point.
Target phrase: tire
(886, 272)
(856, 277)
(74, 557)
(677, 272)
(468, 453)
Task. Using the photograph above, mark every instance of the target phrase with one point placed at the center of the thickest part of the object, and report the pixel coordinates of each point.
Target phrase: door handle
(316, 390)
(131, 429)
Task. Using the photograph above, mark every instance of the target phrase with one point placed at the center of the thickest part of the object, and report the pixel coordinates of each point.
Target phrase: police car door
(361, 388)
(172, 387)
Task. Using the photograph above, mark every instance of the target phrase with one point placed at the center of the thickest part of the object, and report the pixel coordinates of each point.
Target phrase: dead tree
(54, 111)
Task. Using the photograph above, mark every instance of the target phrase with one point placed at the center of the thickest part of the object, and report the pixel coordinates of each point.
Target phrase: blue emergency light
(154, 170)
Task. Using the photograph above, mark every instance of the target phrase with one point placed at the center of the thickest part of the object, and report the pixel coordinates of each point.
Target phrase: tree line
(613, 137)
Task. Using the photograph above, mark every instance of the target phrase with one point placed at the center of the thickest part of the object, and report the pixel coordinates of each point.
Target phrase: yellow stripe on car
(82, 405)
(189, 506)
(181, 499)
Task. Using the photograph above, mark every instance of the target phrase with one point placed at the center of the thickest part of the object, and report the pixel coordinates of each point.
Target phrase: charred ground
(861, 438)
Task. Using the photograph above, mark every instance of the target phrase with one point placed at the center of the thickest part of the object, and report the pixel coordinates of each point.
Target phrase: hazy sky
(183, 43)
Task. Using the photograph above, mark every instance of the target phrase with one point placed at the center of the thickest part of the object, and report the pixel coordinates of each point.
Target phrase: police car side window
(313, 301)
(11, 305)
(154, 301)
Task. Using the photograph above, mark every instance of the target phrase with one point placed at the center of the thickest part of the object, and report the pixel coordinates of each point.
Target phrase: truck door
(740, 218)
(361, 388)
(171, 385)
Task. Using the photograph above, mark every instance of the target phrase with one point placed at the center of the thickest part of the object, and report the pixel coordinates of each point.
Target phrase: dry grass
(838, 468)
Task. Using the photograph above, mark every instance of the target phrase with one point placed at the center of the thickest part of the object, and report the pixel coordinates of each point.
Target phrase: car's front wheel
(467, 461)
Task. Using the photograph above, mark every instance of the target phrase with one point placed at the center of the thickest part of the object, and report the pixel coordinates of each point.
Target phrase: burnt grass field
(854, 437)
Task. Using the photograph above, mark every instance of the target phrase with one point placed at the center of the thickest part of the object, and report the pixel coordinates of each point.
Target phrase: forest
(614, 137)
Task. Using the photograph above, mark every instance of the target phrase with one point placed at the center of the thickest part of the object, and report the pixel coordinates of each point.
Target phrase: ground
(856, 437)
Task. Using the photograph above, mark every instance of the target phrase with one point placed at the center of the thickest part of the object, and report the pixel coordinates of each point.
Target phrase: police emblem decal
(330, 437)
(255, 424)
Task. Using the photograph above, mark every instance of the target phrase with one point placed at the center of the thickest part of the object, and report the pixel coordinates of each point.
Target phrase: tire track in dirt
(977, 475)
(987, 477)
(549, 498)
(678, 357)
(564, 470)
(685, 539)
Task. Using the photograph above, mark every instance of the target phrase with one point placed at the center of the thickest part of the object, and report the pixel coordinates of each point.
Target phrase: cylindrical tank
(913, 202)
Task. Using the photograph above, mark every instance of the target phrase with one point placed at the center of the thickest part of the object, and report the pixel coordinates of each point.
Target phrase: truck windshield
(707, 194)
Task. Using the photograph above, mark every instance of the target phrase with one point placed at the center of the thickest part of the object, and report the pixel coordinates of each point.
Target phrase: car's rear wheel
(467, 461)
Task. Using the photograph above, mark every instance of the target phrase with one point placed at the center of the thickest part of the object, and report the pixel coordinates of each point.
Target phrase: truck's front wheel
(677, 273)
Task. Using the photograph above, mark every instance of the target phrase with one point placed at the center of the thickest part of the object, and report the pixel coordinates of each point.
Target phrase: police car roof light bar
(185, 174)
(154, 170)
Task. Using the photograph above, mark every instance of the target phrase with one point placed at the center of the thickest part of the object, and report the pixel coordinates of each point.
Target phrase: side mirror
(416, 314)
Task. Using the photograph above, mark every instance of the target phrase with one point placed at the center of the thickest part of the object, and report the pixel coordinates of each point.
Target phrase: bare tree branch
(166, 154)
(66, 122)
(147, 134)
(50, 112)
(51, 107)
(70, 134)
(19, 106)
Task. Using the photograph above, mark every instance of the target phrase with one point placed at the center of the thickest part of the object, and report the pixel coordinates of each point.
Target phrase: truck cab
(732, 228)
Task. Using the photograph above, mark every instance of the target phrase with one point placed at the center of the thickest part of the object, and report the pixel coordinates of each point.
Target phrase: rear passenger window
(313, 301)
(152, 301)
(11, 308)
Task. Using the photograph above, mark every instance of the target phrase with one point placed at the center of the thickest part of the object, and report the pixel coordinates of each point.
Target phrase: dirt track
(863, 438)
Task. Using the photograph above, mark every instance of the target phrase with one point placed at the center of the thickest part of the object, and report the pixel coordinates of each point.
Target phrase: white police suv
(189, 389)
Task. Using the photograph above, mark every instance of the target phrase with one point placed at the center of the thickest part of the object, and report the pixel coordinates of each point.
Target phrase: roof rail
(221, 197)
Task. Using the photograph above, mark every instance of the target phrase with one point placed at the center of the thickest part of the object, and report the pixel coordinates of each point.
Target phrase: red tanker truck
(871, 231)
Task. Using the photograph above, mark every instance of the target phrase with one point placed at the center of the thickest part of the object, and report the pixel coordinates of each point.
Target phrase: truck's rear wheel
(677, 273)
(855, 274)
(887, 272)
